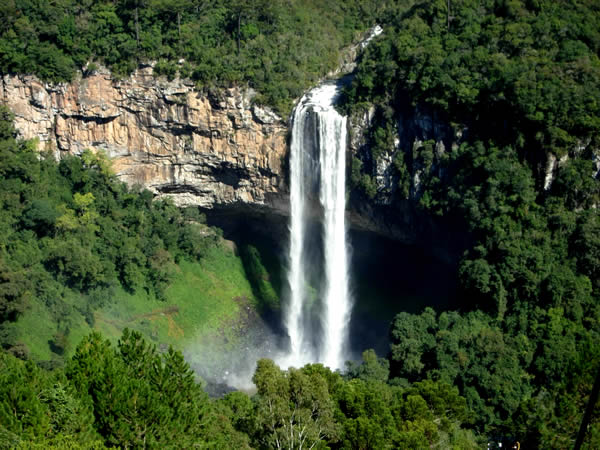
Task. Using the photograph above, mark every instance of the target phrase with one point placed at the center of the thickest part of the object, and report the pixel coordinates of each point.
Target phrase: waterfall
(298, 354)
(336, 302)
(317, 171)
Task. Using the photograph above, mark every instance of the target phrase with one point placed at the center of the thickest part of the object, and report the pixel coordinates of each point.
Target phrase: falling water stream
(317, 174)
(318, 305)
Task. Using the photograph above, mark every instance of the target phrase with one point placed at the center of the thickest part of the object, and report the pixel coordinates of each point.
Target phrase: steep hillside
(482, 116)
(81, 252)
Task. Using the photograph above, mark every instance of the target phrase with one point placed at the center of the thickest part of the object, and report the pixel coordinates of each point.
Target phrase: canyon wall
(393, 210)
(212, 148)
(202, 148)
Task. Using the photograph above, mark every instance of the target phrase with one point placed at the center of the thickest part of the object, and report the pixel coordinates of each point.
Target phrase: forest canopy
(131, 395)
(521, 73)
(277, 47)
(518, 81)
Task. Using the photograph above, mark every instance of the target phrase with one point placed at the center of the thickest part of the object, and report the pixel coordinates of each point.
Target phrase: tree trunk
(587, 416)
(179, 26)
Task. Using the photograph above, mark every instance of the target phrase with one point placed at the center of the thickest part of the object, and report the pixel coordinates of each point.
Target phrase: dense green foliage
(139, 397)
(71, 234)
(132, 396)
(41, 408)
(277, 47)
(312, 406)
(522, 78)
(524, 73)
(129, 396)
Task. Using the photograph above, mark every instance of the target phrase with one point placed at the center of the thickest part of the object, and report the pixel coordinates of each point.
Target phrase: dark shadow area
(387, 278)
(260, 240)
(262, 271)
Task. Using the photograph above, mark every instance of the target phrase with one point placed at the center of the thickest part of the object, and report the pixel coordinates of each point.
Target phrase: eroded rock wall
(200, 148)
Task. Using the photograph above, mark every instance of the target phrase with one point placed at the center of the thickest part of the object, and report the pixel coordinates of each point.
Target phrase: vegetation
(80, 251)
(132, 396)
(518, 358)
(521, 77)
(277, 47)
(522, 73)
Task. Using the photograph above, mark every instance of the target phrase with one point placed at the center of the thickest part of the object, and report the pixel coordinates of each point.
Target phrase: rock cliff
(200, 148)
(417, 131)
(213, 149)
(421, 140)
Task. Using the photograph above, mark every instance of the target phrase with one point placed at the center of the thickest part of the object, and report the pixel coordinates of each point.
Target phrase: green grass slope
(205, 305)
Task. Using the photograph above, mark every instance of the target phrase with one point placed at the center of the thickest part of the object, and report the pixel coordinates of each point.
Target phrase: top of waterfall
(350, 54)
(323, 97)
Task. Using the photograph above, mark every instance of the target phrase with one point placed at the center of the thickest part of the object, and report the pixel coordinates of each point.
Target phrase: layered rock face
(415, 129)
(215, 150)
(199, 148)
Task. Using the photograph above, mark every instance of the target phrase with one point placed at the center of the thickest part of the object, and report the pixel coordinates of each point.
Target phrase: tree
(139, 397)
(293, 409)
(372, 368)
(15, 290)
(40, 409)
(411, 339)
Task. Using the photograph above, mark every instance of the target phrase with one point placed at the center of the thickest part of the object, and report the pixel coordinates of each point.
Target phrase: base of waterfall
(387, 276)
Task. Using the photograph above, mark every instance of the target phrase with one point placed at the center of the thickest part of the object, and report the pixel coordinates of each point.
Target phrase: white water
(318, 147)
(298, 354)
(336, 305)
